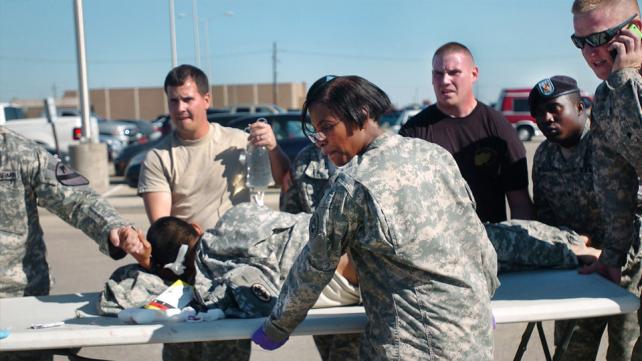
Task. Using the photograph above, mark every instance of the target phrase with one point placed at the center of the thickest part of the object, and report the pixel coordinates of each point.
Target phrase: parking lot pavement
(77, 266)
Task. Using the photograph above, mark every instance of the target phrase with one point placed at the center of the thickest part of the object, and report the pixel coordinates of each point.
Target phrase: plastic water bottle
(259, 169)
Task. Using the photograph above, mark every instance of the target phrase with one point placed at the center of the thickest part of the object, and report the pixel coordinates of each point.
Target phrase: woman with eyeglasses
(400, 206)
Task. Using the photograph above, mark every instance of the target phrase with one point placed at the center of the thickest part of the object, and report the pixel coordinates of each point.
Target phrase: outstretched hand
(260, 338)
(133, 242)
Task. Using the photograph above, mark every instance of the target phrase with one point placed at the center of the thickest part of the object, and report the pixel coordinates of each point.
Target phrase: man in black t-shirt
(490, 156)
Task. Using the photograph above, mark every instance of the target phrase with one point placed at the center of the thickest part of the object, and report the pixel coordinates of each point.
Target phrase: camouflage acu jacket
(31, 177)
(426, 268)
(617, 127)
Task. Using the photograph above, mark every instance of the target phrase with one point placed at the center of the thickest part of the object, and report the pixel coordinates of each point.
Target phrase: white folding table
(530, 297)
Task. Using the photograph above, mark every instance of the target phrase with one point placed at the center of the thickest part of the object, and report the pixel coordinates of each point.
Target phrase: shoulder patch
(261, 292)
(8, 175)
(67, 176)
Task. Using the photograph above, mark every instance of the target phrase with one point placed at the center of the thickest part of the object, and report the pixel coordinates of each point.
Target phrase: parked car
(40, 130)
(129, 152)
(393, 120)
(146, 128)
(117, 135)
(223, 118)
(256, 108)
(513, 103)
(217, 111)
(163, 124)
(132, 171)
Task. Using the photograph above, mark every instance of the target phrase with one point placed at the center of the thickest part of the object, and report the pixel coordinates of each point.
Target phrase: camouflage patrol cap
(551, 88)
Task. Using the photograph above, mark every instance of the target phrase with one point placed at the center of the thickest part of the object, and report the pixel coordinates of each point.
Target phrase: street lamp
(197, 47)
(172, 33)
(206, 24)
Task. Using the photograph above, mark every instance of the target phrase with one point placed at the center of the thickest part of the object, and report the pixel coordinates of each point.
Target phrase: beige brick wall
(148, 103)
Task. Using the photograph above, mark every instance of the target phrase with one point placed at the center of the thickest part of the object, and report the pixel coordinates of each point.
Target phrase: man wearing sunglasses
(614, 52)
(607, 33)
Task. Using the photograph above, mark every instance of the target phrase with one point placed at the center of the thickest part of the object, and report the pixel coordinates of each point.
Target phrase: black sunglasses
(598, 39)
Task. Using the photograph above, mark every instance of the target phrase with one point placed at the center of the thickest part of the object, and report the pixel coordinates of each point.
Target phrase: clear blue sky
(390, 42)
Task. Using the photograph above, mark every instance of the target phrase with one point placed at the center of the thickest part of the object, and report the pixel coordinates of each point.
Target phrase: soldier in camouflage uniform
(520, 245)
(426, 268)
(31, 177)
(616, 117)
(614, 53)
(565, 196)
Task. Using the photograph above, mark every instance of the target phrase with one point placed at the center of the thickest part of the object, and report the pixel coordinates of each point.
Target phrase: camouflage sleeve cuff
(273, 331)
(613, 258)
(115, 252)
(622, 76)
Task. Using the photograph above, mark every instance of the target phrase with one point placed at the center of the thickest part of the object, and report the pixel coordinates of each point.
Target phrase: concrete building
(148, 103)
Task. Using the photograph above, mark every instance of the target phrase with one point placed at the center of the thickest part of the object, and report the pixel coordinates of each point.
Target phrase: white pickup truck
(40, 130)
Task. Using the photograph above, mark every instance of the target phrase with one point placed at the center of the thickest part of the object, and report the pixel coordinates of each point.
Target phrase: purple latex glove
(260, 338)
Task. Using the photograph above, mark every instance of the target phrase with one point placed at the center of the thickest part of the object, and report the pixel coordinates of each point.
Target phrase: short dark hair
(453, 47)
(167, 235)
(180, 74)
(347, 97)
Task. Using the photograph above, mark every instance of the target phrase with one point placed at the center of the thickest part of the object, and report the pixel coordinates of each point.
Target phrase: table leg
(524, 343)
(542, 338)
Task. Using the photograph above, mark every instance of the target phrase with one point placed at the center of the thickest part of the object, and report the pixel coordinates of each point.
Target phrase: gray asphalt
(77, 266)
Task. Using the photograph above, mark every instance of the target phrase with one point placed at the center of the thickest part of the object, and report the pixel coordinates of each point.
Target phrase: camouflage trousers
(235, 350)
(26, 356)
(623, 330)
(523, 245)
(637, 349)
(331, 348)
(344, 347)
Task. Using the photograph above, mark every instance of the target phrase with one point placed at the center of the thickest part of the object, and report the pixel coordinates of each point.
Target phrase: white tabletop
(523, 297)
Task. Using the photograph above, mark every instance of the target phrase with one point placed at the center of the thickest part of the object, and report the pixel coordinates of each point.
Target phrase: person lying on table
(264, 243)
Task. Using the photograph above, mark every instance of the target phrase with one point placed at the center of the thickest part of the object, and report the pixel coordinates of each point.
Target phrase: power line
(353, 56)
(27, 59)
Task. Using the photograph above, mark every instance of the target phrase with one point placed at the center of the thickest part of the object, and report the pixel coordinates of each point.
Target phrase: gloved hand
(260, 338)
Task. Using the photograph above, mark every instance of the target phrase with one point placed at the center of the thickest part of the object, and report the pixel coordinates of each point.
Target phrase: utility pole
(172, 33)
(197, 40)
(88, 158)
(275, 92)
(207, 50)
(83, 88)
